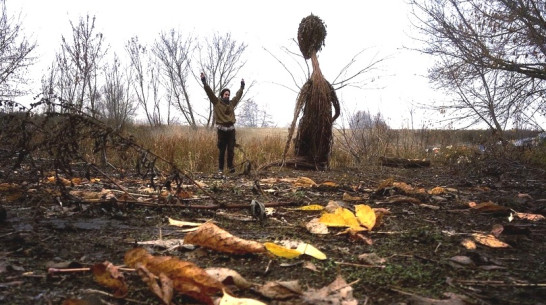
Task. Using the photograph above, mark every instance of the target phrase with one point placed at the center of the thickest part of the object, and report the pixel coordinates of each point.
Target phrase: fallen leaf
(329, 184)
(230, 300)
(489, 240)
(365, 215)
(187, 278)
(281, 251)
(108, 275)
(340, 218)
(228, 277)
(489, 207)
(311, 207)
(497, 229)
(163, 290)
(280, 290)
(316, 227)
(437, 191)
(337, 293)
(347, 197)
(372, 259)
(332, 206)
(462, 260)
(309, 265)
(531, 217)
(181, 223)
(310, 250)
(210, 236)
(468, 244)
(304, 182)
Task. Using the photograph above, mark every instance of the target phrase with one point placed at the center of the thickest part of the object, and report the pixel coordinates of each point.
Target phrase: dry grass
(195, 149)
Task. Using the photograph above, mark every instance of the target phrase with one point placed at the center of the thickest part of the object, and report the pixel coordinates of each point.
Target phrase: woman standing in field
(224, 116)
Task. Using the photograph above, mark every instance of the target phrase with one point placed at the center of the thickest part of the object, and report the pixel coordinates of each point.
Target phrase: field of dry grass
(195, 149)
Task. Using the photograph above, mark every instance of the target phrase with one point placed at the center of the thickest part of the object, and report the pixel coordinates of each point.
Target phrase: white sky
(381, 27)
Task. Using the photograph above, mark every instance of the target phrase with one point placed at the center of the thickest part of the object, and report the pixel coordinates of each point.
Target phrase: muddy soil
(420, 240)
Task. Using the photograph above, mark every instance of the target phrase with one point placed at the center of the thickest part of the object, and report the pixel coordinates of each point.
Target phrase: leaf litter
(383, 222)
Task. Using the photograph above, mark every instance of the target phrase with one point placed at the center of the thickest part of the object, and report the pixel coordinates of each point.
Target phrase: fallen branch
(360, 265)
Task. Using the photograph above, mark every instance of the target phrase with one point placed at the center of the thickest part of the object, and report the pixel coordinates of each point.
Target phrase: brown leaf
(280, 290)
(228, 276)
(187, 278)
(489, 207)
(497, 229)
(437, 191)
(337, 293)
(531, 217)
(108, 275)
(489, 240)
(165, 291)
(210, 236)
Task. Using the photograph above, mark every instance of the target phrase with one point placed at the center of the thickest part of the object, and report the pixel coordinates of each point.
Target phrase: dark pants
(226, 141)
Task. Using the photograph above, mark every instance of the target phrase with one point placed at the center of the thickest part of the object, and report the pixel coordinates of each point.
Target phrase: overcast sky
(379, 27)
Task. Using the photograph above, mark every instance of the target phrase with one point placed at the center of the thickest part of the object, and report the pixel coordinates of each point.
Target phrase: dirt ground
(420, 240)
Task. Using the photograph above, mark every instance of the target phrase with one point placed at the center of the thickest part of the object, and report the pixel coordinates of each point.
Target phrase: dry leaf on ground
(365, 215)
(531, 217)
(280, 290)
(108, 275)
(489, 240)
(210, 236)
(281, 251)
(181, 223)
(187, 278)
(314, 226)
(229, 277)
(311, 207)
(163, 289)
(340, 218)
(337, 293)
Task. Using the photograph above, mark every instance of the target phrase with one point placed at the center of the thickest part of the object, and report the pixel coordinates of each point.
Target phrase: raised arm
(212, 97)
(235, 100)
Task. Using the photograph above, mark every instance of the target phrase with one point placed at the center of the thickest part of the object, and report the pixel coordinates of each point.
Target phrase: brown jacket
(223, 113)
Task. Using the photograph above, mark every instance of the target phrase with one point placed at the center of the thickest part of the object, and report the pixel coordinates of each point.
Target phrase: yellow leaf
(489, 240)
(229, 300)
(311, 207)
(365, 215)
(311, 251)
(180, 223)
(94, 180)
(340, 218)
(281, 251)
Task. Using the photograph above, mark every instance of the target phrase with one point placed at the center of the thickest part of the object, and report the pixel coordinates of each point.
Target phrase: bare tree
(79, 64)
(508, 35)
(252, 115)
(146, 83)
(220, 60)
(117, 105)
(367, 137)
(491, 54)
(173, 54)
(15, 54)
